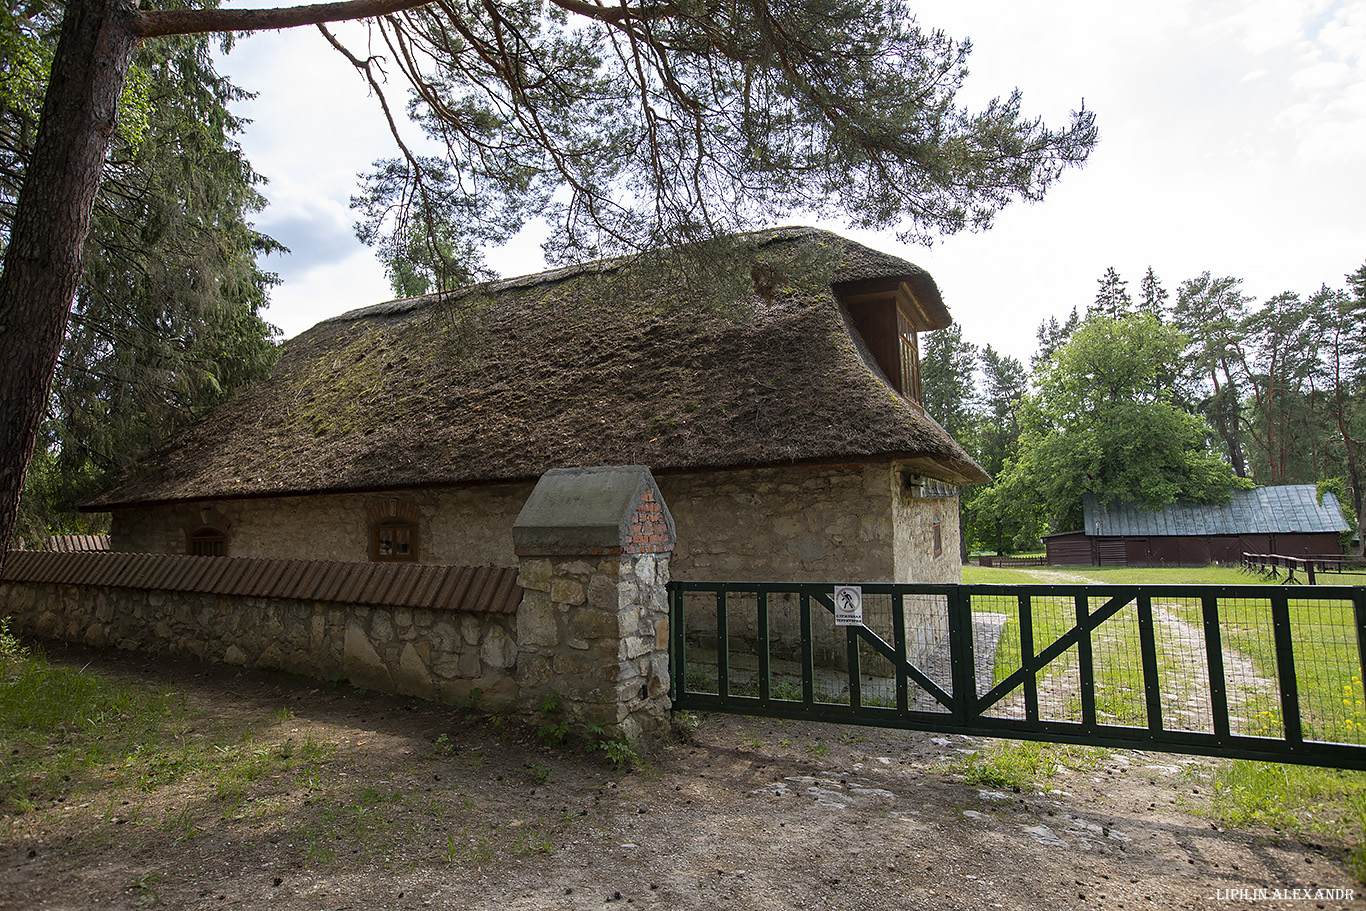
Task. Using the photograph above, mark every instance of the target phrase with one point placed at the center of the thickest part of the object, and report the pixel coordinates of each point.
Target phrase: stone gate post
(593, 625)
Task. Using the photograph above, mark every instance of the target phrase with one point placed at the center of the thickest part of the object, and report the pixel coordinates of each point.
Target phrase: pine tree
(1112, 297)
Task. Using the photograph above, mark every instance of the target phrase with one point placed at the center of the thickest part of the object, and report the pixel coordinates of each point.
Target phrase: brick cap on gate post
(614, 509)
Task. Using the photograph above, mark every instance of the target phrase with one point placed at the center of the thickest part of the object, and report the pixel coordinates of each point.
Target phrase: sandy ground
(411, 805)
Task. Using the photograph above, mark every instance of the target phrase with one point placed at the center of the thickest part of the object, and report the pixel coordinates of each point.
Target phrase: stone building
(775, 399)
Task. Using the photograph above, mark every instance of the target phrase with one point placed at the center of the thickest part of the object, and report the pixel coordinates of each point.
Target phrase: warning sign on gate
(848, 605)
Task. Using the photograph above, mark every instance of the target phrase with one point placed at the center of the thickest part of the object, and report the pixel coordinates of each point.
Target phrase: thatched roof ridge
(587, 365)
(858, 263)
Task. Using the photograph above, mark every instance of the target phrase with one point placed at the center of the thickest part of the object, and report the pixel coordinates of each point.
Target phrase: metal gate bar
(1192, 618)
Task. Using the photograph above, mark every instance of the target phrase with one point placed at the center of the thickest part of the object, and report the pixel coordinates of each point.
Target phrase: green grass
(1328, 670)
(1113, 575)
(61, 730)
(1301, 800)
(1024, 765)
(68, 734)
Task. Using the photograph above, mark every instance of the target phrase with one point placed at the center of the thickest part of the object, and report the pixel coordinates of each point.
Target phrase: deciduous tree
(1099, 423)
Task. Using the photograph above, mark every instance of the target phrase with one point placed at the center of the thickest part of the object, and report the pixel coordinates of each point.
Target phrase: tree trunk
(43, 261)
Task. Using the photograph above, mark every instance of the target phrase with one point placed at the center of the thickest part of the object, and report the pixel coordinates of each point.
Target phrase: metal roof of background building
(1293, 508)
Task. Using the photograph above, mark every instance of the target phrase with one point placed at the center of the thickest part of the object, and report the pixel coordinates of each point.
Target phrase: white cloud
(1327, 75)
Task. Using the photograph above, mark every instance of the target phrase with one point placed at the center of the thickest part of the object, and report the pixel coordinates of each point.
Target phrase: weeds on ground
(1024, 765)
(1300, 800)
(555, 728)
(622, 753)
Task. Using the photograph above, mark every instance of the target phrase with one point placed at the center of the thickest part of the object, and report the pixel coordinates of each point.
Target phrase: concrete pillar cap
(615, 509)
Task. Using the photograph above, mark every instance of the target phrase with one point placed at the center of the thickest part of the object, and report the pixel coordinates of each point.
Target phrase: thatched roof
(610, 363)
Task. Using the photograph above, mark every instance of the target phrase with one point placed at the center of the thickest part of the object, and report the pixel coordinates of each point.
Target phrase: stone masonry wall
(805, 524)
(783, 524)
(467, 526)
(802, 524)
(826, 524)
(442, 656)
(596, 628)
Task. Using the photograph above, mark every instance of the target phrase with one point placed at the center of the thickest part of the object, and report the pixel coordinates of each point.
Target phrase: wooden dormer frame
(889, 317)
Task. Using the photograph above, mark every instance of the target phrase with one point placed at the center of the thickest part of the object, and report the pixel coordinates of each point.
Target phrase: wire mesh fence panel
(996, 653)
(1028, 626)
(1117, 664)
(1243, 671)
(928, 650)
(700, 673)
(785, 647)
(830, 657)
(1328, 670)
(1183, 669)
(1248, 647)
(742, 643)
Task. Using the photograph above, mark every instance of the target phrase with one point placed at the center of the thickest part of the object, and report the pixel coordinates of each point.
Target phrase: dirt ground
(408, 805)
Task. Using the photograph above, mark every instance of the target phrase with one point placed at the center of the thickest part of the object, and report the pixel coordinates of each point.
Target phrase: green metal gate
(1253, 672)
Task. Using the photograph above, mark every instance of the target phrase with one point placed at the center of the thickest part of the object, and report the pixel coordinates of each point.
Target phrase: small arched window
(208, 541)
(937, 529)
(393, 541)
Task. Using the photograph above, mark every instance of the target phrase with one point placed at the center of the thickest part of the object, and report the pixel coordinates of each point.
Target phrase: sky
(1232, 140)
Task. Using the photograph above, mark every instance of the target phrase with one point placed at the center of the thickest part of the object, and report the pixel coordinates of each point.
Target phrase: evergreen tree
(990, 521)
(1343, 367)
(1112, 297)
(1209, 313)
(1152, 296)
(165, 321)
(1052, 335)
(1277, 360)
(946, 378)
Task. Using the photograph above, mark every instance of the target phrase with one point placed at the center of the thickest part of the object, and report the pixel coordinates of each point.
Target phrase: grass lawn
(1327, 671)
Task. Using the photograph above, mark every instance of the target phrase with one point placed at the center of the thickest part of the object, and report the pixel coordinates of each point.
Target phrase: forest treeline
(1154, 396)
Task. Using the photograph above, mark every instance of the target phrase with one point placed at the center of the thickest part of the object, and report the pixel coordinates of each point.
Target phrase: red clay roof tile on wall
(479, 589)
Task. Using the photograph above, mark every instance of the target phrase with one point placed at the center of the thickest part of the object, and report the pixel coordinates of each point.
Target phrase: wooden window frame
(207, 541)
(937, 533)
(908, 347)
(392, 523)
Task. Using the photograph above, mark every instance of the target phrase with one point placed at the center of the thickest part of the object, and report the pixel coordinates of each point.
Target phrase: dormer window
(908, 346)
(888, 316)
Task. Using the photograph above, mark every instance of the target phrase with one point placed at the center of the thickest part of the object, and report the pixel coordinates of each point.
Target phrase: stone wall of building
(793, 524)
(915, 519)
(829, 524)
(796, 524)
(464, 526)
